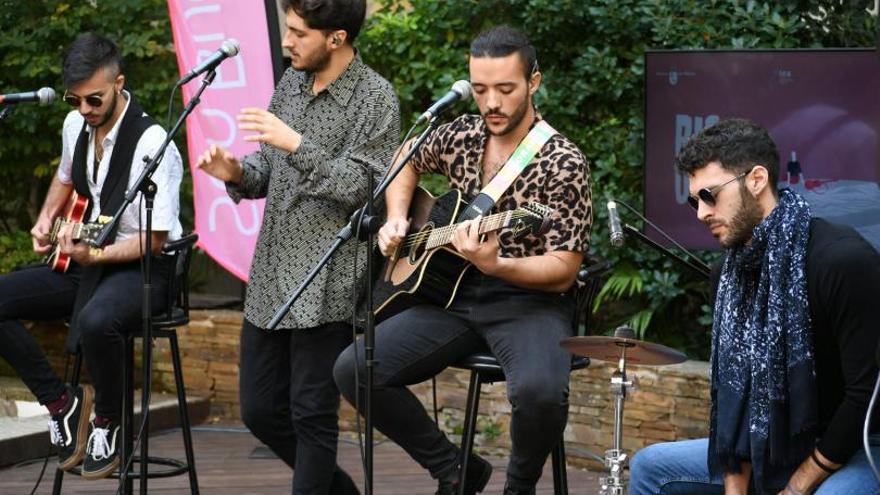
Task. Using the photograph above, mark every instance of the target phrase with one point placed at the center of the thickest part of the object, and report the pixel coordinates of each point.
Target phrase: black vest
(133, 125)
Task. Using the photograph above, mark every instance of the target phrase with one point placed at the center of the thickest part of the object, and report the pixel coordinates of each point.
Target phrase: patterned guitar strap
(537, 137)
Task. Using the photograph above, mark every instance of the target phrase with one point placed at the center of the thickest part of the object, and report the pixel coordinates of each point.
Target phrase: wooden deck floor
(228, 464)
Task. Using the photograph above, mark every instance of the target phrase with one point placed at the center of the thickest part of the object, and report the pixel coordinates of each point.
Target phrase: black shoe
(478, 473)
(69, 429)
(510, 489)
(102, 454)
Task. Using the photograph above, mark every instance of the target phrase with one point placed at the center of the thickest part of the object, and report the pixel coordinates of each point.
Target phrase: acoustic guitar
(424, 269)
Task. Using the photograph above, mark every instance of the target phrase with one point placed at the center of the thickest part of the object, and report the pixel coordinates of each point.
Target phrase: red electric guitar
(75, 212)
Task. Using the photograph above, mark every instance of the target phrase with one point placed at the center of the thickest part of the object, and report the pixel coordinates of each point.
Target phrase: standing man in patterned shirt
(331, 121)
(516, 299)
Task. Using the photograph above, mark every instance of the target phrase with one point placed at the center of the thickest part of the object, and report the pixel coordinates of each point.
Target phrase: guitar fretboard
(76, 230)
(443, 235)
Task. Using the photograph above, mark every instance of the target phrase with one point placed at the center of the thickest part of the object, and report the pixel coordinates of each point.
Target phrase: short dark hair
(330, 15)
(737, 144)
(501, 41)
(89, 53)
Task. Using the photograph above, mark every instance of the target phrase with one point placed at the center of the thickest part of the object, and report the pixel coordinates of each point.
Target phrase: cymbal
(605, 348)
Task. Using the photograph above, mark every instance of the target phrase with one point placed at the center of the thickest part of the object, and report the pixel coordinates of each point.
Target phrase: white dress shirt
(166, 207)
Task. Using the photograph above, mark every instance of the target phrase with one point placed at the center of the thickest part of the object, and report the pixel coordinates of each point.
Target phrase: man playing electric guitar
(515, 300)
(99, 290)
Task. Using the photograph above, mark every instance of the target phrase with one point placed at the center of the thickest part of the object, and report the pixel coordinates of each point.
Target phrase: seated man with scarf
(793, 337)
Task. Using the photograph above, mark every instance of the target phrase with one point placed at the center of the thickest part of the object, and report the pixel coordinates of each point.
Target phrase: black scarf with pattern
(764, 406)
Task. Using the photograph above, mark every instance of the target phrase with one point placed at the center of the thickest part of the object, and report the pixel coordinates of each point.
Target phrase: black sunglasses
(75, 101)
(707, 194)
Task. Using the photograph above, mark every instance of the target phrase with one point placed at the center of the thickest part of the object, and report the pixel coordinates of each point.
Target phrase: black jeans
(290, 402)
(38, 293)
(522, 328)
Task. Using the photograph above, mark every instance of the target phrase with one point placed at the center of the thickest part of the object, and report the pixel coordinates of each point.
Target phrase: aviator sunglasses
(75, 101)
(707, 194)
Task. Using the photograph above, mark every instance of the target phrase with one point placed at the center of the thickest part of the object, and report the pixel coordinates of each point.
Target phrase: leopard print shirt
(557, 176)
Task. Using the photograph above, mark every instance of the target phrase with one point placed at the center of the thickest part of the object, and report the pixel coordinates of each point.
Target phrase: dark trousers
(38, 293)
(290, 402)
(522, 328)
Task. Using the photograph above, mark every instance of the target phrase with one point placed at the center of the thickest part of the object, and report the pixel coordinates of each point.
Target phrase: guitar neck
(443, 235)
(76, 229)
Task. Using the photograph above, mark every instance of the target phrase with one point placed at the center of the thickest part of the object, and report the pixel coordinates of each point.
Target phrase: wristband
(825, 467)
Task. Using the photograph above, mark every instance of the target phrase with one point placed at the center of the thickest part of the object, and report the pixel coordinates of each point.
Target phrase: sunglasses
(707, 194)
(75, 101)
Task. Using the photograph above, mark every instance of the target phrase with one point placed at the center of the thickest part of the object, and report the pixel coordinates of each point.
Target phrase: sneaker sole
(103, 472)
(82, 430)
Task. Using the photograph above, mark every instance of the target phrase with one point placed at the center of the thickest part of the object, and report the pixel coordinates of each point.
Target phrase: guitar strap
(537, 137)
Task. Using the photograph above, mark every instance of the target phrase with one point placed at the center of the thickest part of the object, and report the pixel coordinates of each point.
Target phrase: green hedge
(591, 53)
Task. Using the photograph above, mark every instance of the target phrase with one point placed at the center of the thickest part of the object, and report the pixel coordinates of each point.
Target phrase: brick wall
(670, 402)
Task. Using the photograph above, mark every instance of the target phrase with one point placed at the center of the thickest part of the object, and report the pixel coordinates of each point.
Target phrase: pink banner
(227, 232)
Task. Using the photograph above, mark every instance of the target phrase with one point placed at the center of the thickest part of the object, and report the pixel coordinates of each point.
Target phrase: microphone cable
(691, 255)
(867, 428)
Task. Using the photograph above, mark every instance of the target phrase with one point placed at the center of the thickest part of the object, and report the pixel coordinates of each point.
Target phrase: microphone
(614, 225)
(461, 90)
(228, 48)
(43, 96)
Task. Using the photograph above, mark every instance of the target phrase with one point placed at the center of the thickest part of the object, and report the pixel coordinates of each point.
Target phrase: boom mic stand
(697, 266)
(145, 185)
(364, 224)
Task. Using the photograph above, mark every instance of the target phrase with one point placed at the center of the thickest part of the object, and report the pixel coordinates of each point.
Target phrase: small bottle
(794, 170)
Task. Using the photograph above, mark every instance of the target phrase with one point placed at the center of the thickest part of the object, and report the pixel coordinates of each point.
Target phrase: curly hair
(737, 144)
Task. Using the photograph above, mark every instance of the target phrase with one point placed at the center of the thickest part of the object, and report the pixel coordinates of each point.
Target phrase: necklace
(98, 157)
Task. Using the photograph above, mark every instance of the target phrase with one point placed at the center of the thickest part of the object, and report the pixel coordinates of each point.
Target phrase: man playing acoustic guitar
(103, 143)
(516, 298)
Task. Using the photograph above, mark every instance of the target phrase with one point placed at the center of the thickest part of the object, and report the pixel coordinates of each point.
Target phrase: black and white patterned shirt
(348, 127)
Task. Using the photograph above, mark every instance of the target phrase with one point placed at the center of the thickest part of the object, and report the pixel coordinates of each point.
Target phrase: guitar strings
(446, 231)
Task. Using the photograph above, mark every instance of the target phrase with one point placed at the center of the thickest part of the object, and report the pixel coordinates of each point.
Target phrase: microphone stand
(702, 270)
(364, 224)
(147, 187)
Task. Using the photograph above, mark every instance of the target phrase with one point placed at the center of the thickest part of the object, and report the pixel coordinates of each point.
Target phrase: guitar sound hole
(417, 250)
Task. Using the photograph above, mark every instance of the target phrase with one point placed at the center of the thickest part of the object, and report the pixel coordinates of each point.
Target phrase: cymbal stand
(616, 458)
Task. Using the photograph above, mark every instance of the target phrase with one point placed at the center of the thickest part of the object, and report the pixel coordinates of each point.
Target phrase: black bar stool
(164, 326)
(484, 368)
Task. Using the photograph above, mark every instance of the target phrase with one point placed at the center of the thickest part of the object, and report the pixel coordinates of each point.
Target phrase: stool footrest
(177, 467)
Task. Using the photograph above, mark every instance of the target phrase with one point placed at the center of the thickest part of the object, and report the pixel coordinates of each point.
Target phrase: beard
(513, 120)
(316, 62)
(109, 111)
(747, 217)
